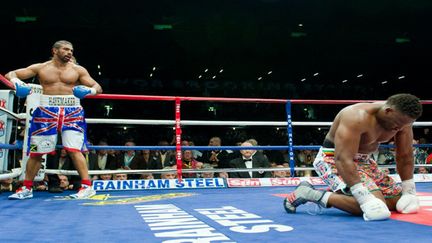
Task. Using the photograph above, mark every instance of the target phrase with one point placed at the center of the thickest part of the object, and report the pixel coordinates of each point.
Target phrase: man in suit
(161, 158)
(216, 158)
(105, 160)
(249, 159)
(60, 161)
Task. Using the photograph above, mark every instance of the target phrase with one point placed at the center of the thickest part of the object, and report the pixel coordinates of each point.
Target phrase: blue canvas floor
(202, 215)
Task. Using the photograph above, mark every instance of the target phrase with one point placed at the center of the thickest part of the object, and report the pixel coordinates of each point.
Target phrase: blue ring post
(290, 138)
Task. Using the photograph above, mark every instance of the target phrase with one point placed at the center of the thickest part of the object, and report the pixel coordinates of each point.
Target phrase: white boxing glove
(408, 203)
(372, 207)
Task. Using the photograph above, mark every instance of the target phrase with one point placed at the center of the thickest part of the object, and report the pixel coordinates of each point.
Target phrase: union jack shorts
(48, 121)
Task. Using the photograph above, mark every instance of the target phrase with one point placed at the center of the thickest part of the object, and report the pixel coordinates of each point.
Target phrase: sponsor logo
(62, 101)
(101, 185)
(45, 145)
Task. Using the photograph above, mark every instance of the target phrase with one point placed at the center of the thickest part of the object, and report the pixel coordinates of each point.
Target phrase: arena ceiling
(363, 42)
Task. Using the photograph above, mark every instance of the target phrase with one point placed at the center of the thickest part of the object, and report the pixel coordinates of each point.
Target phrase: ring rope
(18, 171)
(225, 99)
(269, 147)
(15, 172)
(102, 172)
(21, 116)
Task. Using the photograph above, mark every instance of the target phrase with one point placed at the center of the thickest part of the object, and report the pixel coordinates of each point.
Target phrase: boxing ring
(200, 215)
(202, 210)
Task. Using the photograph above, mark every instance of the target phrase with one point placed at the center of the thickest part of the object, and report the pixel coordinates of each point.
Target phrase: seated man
(147, 176)
(64, 182)
(358, 185)
(249, 159)
(207, 174)
(168, 174)
(120, 177)
(281, 173)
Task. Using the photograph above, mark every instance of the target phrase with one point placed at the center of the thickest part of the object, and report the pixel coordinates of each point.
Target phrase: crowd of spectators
(112, 160)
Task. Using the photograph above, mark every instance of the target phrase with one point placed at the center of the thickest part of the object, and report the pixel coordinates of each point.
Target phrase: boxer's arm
(86, 80)
(24, 73)
(404, 153)
(21, 88)
(408, 203)
(347, 140)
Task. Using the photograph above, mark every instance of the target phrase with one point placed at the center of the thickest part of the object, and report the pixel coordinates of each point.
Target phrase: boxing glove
(372, 207)
(82, 91)
(408, 203)
(21, 88)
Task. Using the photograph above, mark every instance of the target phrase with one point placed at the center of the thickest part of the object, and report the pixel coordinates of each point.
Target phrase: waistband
(59, 100)
(357, 157)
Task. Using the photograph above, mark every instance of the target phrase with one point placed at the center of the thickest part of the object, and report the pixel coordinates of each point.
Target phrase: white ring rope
(198, 122)
(15, 172)
(102, 172)
(216, 123)
(18, 171)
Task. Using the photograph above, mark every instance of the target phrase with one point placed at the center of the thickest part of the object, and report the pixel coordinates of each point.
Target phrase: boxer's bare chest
(371, 140)
(50, 75)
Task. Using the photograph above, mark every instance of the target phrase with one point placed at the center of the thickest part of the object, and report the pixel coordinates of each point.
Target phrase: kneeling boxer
(359, 186)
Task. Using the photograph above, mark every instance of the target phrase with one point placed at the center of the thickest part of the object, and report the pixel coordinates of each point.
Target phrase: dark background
(294, 39)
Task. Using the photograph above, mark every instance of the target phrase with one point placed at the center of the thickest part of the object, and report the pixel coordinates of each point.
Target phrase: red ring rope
(224, 99)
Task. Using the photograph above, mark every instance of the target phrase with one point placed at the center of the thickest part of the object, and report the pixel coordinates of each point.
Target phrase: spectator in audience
(249, 159)
(285, 155)
(275, 156)
(105, 160)
(105, 177)
(147, 176)
(161, 158)
(420, 154)
(217, 158)
(196, 154)
(120, 176)
(146, 158)
(41, 185)
(422, 170)
(386, 155)
(8, 185)
(309, 158)
(64, 182)
(59, 161)
(429, 159)
(91, 158)
(190, 163)
(280, 173)
(168, 174)
(130, 159)
(223, 174)
(207, 174)
(254, 142)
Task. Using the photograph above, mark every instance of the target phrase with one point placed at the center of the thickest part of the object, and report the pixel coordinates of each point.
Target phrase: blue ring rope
(275, 147)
